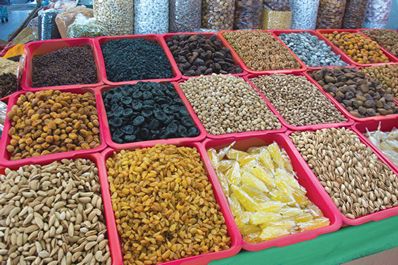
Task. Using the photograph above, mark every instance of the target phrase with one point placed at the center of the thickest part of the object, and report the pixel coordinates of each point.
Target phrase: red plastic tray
(325, 31)
(42, 47)
(347, 221)
(236, 239)
(110, 224)
(158, 38)
(385, 126)
(343, 56)
(207, 34)
(111, 143)
(212, 136)
(285, 123)
(304, 178)
(246, 68)
(343, 110)
(5, 157)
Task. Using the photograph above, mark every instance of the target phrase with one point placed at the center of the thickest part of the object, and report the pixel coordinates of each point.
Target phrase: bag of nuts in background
(248, 14)
(279, 5)
(304, 13)
(354, 14)
(116, 16)
(330, 14)
(277, 15)
(218, 14)
(377, 13)
(185, 15)
(151, 16)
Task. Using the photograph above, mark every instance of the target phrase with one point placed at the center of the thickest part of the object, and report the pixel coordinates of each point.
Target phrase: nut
(388, 39)
(385, 74)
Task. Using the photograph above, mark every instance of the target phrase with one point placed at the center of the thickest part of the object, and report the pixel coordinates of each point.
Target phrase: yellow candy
(276, 155)
(245, 200)
(212, 153)
(233, 174)
(266, 160)
(270, 207)
(314, 224)
(261, 174)
(256, 194)
(252, 181)
(273, 232)
(305, 217)
(225, 165)
(236, 154)
(262, 218)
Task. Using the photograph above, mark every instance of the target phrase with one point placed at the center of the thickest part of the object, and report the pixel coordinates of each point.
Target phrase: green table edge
(347, 244)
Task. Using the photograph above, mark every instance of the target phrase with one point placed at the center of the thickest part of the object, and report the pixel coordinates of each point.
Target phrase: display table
(342, 246)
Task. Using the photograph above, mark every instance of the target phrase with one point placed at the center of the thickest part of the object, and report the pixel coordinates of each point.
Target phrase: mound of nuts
(51, 121)
(388, 39)
(385, 74)
(52, 214)
(360, 95)
(358, 182)
(164, 205)
(260, 51)
(360, 48)
(227, 104)
(297, 100)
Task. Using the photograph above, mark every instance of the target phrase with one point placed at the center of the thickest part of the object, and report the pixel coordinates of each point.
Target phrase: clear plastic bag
(185, 15)
(47, 27)
(331, 14)
(151, 16)
(65, 19)
(248, 14)
(218, 14)
(304, 13)
(377, 13)
(85, 27)
(354, 14)
(273, 19)
(116, 16)
(3, 112)
(277, 5)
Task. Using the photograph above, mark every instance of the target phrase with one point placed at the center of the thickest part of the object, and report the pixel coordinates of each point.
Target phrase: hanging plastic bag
(65, 19)
(304, 13)
(151, 16)
(275, 19)
(248, 14)
(85, 27)
(354, 14)
(185, 15)
(116, 16)
(277, 5)
(331, 14)
(218, 14)
(47, 26)
(377, 13)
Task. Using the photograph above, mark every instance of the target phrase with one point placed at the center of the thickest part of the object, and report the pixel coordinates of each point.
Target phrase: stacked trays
(205, 138)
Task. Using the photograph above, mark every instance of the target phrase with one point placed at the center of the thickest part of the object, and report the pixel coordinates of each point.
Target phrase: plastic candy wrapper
(377, 13)
(248, 14)
(85, 27)
(277, 19)
(47, 27)
(151, 16)
(3, 113)
(218, 15)
(185, 15)
(116, 16)
(264, 195)
(277, 5)
(354, 14)
(330, 14)
(65, 19)
(386, 142)
(304, 13)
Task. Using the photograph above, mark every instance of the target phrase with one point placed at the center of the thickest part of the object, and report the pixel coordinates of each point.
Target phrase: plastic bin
(236, 239)
(304, 177)
(158, 38)
(43, 47)
(5, 140)
(108, 136)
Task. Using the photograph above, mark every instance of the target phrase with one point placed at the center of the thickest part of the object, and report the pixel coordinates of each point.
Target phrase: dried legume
(52, 214)
(164, 205)
(227, 104)
(260, 51)
(385, 74)
(358, 182)
(51, 121)
(297, 100)
(388, 39)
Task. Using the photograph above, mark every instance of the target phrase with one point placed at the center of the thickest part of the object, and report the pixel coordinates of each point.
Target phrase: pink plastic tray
(207, 34)
(108, 135)
(110, 224)
(304, 178)
(348, 122)
(347, 113)
(43, 47)
(343, 56)
(246, 68)
(5, 156)
(386, 126)
(394, 56)
(347, 221)
(100, 40)
(236, 239)
(212, 136)
(325, 31)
